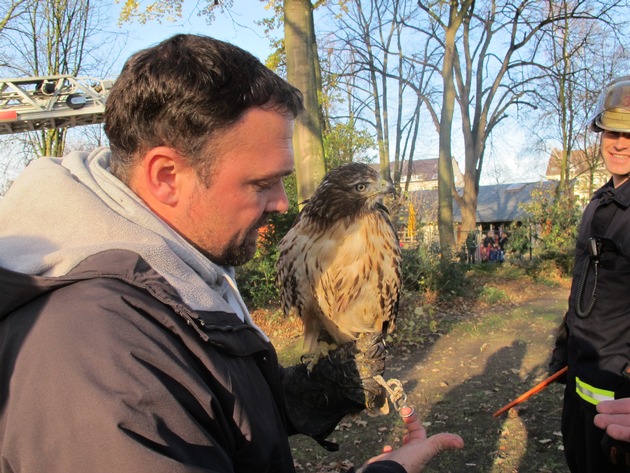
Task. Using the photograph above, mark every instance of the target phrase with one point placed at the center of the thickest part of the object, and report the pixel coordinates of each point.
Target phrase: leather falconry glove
(318, 397)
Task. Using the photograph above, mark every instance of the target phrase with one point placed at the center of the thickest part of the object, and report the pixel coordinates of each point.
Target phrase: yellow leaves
(128, 8)
(411, 223)
(132, 10)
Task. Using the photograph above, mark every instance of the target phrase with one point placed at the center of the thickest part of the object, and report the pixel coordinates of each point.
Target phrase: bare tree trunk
(565, 103)
(445, 159)
(302, 72)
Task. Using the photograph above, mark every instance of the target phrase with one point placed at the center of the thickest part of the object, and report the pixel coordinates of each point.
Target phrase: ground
(460, 362)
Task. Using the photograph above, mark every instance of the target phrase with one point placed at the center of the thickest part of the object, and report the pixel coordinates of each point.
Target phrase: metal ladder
(48, 102)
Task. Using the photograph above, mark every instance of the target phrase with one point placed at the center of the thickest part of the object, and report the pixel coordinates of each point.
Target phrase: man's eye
(265, 185)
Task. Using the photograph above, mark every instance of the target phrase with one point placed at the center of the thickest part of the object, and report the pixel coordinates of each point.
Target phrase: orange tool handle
(536, 389)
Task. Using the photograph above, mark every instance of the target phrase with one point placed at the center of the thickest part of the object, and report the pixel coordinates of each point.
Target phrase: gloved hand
(559, 357)
(336, 385)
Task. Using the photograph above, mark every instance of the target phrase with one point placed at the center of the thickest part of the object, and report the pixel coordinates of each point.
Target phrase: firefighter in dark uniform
(594, 339)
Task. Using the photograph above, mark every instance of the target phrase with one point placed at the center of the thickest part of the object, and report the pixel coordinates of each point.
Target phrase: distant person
(488, 243)
(471, 247)
(125, 345)
(594, 339)
(495, 252)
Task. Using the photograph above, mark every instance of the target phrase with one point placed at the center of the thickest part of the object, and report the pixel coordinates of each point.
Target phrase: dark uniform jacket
(599, 325)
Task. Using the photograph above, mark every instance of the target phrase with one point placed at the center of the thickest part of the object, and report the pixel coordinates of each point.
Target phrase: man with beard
(124, 343)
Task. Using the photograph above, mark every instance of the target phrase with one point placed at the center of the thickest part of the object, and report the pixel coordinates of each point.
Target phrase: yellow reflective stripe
(591, 393)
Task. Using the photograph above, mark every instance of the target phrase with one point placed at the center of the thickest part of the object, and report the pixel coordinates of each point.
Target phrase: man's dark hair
(183, 92)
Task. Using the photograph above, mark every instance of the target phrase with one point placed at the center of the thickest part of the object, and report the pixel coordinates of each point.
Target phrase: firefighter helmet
(612, 112)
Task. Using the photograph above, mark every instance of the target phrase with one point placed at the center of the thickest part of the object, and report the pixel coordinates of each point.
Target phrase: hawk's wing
(343, 280)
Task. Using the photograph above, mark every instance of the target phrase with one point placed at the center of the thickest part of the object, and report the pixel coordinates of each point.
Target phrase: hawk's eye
(361, 187)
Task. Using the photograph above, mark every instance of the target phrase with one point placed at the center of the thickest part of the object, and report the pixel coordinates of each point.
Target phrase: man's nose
(623, 141)
(279, 202)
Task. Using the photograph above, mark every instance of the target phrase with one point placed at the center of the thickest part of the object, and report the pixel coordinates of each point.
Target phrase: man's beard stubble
(237, 253)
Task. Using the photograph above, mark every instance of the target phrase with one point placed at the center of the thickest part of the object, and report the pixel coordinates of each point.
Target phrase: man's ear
(161, 174)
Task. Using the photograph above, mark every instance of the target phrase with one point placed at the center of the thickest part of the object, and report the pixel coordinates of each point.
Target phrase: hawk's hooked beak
(387, 188)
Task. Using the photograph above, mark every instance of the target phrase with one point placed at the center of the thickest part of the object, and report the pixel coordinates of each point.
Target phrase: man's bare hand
(417, 449)
(614, 418)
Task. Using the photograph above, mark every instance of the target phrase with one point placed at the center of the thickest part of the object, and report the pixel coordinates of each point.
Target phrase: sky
(240, 29)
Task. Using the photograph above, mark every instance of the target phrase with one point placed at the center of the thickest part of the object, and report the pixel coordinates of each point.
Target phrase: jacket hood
(61, 211)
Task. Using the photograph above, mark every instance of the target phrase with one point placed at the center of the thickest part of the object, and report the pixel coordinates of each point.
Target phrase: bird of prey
(340, 263)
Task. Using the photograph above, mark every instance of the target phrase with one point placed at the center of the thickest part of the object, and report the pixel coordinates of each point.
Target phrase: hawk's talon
(322, 351)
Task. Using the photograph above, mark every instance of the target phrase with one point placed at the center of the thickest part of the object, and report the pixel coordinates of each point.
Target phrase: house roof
(426, 169)
(423, 169)
(496, 203)
(580, 162)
